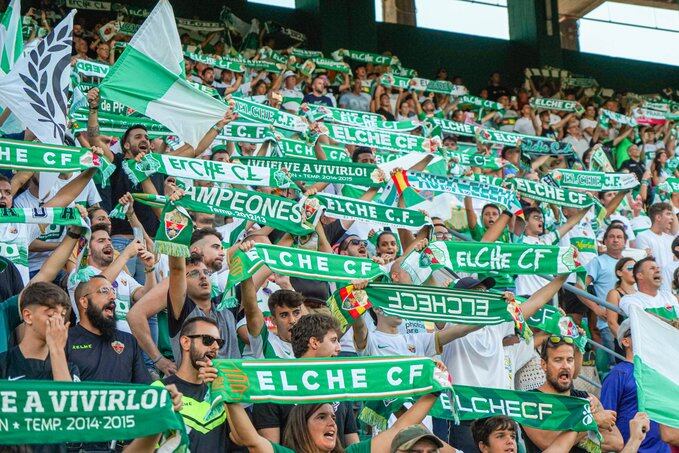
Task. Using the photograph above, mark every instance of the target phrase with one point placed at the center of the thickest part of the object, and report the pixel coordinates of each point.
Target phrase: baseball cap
(471, 282)
(624, 330)
(408, 437)
(287, 74)
(218, 149)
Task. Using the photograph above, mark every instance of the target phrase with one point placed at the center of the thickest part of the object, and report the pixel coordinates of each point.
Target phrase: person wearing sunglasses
(200, 341)
(354, 246)
(559, 364)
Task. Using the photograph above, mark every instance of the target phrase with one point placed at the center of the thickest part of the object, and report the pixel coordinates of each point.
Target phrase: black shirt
(14, 366)
(120, 185)
(211, 435)
(636, 167)
(11, 282)
(532, 448)
(388, 116)
(118, 359)
(269, 415)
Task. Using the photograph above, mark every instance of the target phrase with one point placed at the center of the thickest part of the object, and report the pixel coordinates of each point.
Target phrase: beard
(107, 326)
(101, 259)
(197, 356)
(556, 384)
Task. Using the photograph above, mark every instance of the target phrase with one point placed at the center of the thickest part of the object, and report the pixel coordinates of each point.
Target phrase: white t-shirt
(516, 356)
(125, 286)
(668, 275)
(580, 145)
(89, 196)
(662, 299)
(660, 245)
(529, 284)
(586, 123)
(387, 344)
(268, 345)
(478, 359)
(524, 126)
(14, 241)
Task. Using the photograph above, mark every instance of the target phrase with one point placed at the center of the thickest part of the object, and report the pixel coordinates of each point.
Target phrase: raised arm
(93, 132)
(542, 296)
(496, 229)
(114, 269)
(572, 221)
(242, 426)
(58, 258)
(472, 220)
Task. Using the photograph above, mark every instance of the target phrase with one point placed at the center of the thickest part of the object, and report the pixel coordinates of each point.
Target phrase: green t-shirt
(621, 154)
(361, 447)
(9, 320)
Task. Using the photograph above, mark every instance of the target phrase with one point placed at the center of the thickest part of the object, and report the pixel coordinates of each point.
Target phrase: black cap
(471, 283)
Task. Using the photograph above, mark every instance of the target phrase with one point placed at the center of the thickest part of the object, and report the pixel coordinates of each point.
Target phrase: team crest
(118, 347)
(147, 166)
(175, 222)
(411, 348)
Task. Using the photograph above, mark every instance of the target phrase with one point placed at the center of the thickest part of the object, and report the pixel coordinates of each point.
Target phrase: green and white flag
(49, 412)
(437, 86)
(556, 104)
(300, 263)
(302, 381)
(149, 77)
(203, 170)
(346, 208)
(36, 157)
(512, 259)
(656, 370)
(388, 140)
(594, 180)
(11, 37)
(319, 170)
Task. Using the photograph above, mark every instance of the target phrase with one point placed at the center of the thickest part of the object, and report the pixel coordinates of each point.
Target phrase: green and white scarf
(302, 381)
(267, 53)
(546, 193)
(204, 170)
(173, 236)
(319, 170)
(301, 263)
(117, 124)
(254, 111)
(87, 412)
(463, 187)
(29, 156)
(356, 118)
(473, 159)
(539, 147)
(249, 133)
(399, 70)
(329, 64)
(395, 81)
(498, 137)
(346, 208)
(437, 86)
(379, 139)
(550, 320)
(594, 180)
(480, 103)
(44, 216)
(669, 186)
(90, 69)
(512, 259)
(365, 57)
(305, 53)
(304, 150)
(452, 127)
(277, 212)
(580, 82)
(556, 104)
(606, 116)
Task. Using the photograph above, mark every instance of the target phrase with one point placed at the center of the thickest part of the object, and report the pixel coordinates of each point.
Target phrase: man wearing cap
(478, 359)
(619, 393)
(415, 439)
(292, 95)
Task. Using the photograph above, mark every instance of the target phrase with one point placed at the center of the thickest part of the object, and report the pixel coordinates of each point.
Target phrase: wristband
(158, 359)
(509, 213)
(73, 235)
(148, 270)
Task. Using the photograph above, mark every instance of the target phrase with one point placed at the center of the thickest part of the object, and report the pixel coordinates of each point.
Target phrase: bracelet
(149, 269)
(158, 359)
(214, 126)
(509, 213)
(73, 235)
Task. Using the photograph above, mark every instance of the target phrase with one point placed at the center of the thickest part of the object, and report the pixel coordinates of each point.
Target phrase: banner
(300, 263)
(50, 412)
(594, 180)
(319, 170)
(203, 170)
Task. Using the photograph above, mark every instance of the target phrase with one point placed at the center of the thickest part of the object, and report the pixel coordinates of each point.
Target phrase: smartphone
(138, 234)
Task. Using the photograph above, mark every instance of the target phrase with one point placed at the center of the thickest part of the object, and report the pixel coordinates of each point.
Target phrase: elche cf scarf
(204, 170)
(48, 412)
(594, 180)
(37, 157)
(556, 104)
(300, 263)
(382, 139)
(356, 118)
(277, 212)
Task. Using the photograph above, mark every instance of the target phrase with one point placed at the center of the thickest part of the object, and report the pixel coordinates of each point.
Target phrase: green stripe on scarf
(552, 321)
(356, 118)
(49, 412)
(20, 155)
(557, 196)
(302, 381)
(204, 170)
(300, 263)
(319, 170)
(594, 180)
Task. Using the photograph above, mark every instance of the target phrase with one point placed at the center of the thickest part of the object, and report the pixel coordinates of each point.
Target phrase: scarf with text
(606, 116)
(594, 180)
(395, 81)
(28, 156)
(257, 112)
(303, 150)
(648, 117)
(387, 140)
(556, 104)
(365, 57)
(498, 137)
(474, 159)
(300, 263)
(550, 320)
(437, 86)
(204, 170)
(547, 193)
(356, 118)
(277, 212)
(328, 64)
(87, 412)
(480, 103)
(319, 170)
(541, 147)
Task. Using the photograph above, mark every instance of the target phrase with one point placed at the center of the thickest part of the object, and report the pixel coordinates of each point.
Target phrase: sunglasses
(629, 268)
(105, 290)
(209, 340)
(554, 339)
(355, 242)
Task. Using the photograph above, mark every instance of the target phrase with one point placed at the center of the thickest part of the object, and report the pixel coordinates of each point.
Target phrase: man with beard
(558, 363)
(101, 261)
(200, 340)
(102, 352)
(317, 94)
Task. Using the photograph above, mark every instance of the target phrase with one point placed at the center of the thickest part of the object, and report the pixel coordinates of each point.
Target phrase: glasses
(554, 339)
(197, 273)
(105, 290)
(208, 340)
(355, 242)
(442, 235)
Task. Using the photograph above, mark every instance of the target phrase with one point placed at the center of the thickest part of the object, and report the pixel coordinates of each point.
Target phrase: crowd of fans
(138, 317)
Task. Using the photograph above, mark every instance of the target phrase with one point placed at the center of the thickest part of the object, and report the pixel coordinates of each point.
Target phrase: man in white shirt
(575, 138)
(649, 295)
(668, 271)
(659, 237)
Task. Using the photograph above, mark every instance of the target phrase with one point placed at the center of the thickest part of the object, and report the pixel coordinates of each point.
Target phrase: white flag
(36, 88)
(11, 38)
